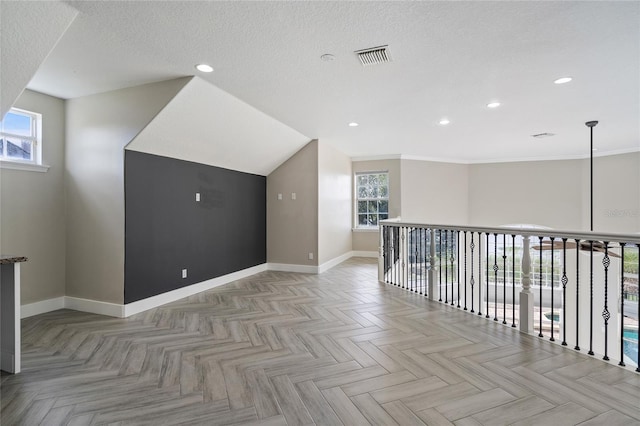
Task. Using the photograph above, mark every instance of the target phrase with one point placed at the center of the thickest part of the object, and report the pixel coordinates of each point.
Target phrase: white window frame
(357, 199)
(35, 138)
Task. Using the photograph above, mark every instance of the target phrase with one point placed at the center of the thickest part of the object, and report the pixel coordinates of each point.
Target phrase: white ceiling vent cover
(543, 135)
(373, 56)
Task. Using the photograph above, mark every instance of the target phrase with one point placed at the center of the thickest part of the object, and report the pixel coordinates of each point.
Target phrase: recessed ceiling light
(493, 105)
(563, 80)
(327, 57)
(352, 124)
(204, 68)
(444, 122)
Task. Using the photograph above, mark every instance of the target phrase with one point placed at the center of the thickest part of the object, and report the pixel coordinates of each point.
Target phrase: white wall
(209, 126)
(32, 207)
(98, 129)
(335, 203)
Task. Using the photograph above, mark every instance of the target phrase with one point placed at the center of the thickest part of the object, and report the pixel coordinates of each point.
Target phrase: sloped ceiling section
(29, 32)
(206, 125)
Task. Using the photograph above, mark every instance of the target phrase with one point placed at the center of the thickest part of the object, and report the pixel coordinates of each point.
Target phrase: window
(372, 199)
(19, 137)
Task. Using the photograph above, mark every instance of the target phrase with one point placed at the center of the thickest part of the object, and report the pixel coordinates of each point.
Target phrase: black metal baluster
(413, 270)
(495, 277)
(446, 266)
(419, 260)
(504, 278)
(479, 273)
(591, 301)
(578, 248)
(552, 271)
(513, 281)
(564, 280)
(439, 265)
(458, 268)
(465, 270)
(606, 315)
(405, 246)
(621, 363)
(540, 284)
(472, 281)
(487, 271)
(452, 259)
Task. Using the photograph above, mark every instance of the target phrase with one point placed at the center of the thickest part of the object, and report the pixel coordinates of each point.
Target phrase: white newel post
(526, 296)
(431, 291)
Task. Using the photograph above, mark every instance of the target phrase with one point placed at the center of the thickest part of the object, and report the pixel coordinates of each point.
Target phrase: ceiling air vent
(373, 55)
(543, 135)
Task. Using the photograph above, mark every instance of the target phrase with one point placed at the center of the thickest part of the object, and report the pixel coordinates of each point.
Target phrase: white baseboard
(287, 267)
(361, 253)
(94, 306)
(181, 293)
(335, 261)
(42, 307)
(123, 311)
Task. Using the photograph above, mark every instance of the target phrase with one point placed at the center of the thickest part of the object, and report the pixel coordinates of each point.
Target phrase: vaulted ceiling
(449, 60)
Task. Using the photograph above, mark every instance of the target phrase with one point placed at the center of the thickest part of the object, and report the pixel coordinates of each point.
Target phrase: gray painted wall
(98, 129)
(32, 207)
(335, 204)
(434, 192)
(292, 225)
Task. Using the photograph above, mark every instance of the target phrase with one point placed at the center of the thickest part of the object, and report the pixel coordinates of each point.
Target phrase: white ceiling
(449, 60)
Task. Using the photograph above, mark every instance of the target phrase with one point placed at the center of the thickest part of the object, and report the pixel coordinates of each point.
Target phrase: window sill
(14, 165)
(364, 229)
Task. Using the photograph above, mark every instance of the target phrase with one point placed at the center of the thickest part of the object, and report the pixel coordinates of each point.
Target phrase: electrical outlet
(197, 196)
(293, 195)
(184, 273)
(310, 256)
(279, 196)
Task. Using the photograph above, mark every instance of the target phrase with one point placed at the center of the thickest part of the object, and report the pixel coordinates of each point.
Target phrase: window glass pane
(373, 207)
(383, 206)
(362, 180)
(373, 220)
(383, 192)
(373, 180)
(19, 149)
(363, 192)
(384, 216)
(373, 192)
(362, 206)
(362, 219)
(382, 179)
(17, 124)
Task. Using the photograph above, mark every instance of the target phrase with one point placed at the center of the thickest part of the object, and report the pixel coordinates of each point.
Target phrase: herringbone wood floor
(288, 349)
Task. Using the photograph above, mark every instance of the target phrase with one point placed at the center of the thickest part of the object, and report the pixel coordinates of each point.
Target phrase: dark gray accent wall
(167, 230)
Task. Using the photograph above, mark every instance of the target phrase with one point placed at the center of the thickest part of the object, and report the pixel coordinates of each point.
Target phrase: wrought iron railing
(573, 287)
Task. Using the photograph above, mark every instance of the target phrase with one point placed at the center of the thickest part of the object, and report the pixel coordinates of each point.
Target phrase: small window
(19, 137)
(372, 199)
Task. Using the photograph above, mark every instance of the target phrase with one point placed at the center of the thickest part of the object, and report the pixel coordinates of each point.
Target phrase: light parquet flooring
(294, 349)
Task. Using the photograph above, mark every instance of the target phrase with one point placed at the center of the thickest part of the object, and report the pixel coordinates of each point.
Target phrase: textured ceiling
(449, 60)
